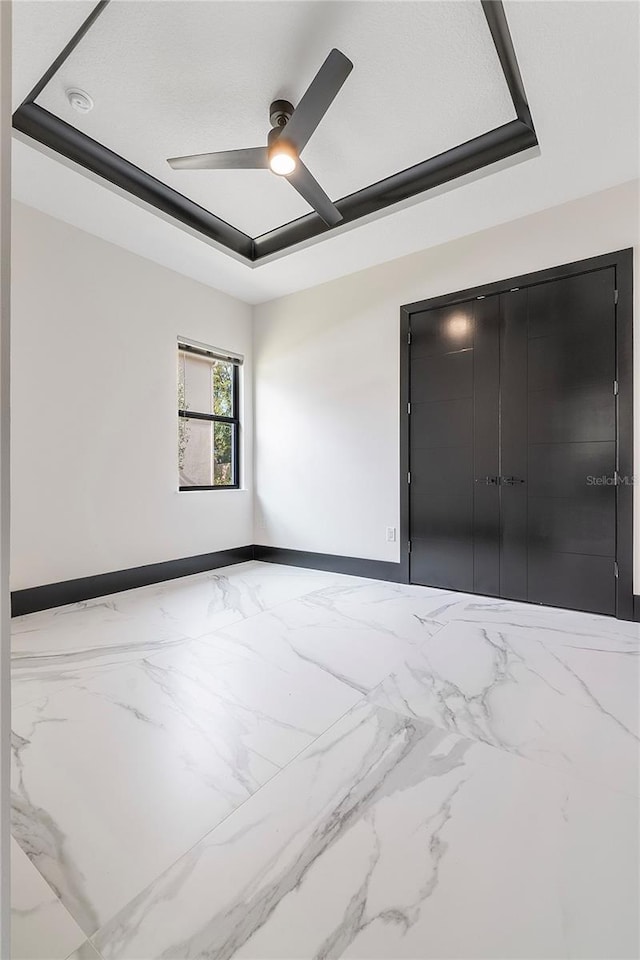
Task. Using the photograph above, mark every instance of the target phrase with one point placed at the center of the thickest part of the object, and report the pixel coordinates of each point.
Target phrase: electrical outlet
(391, 534)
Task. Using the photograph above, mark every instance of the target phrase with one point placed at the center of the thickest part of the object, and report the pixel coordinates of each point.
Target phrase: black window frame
(215, 418)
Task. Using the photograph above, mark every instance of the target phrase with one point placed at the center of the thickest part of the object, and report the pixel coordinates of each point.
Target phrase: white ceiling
(192, 77)
(579, 62)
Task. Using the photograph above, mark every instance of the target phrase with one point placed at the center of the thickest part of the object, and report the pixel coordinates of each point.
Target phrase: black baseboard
(103, 584)
(636, 608)
(332, 563)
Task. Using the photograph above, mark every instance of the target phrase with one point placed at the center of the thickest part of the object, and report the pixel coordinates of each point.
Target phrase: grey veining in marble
(41, 928)
(209, 601)
(390, 837)
(115, 777)
(568, 705)
(52, 647)
(357, 633)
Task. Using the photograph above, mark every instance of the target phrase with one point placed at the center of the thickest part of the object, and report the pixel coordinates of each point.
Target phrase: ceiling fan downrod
(280, 112)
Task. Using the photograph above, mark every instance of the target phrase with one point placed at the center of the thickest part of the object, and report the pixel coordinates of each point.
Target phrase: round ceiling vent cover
(79, 100)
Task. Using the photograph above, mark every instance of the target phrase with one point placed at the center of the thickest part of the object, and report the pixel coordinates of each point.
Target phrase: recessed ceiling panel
(171, 78)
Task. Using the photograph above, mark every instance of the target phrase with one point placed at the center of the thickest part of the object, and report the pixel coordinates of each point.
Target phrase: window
(208, 422)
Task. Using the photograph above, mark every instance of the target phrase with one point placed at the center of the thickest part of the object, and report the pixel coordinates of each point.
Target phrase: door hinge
(409, 477)
(409, 337)
(409, 546)
(615, 296)
(615, 569)
(409, 409)
(615, 388)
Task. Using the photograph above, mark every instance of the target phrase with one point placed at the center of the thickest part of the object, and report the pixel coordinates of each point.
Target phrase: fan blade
(309, 188)
(254, 158)
(318, 98)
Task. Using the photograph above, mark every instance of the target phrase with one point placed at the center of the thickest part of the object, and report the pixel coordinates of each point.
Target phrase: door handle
(510, 481)
(489, 481)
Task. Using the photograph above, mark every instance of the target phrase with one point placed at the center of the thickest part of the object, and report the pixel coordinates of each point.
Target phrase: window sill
(231, 487)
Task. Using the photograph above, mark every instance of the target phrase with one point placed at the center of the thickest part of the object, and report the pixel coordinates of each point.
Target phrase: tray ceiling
(185, 77)
(588, 132)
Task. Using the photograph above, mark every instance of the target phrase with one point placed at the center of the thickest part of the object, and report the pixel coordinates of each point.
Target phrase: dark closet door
(512, 444)
(558, 442)
(454, 387)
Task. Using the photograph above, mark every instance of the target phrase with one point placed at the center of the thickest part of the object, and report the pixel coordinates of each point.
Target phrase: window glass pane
(195, 452)
(196, 379)
(223, 388)
(205, 453)
(224, 467)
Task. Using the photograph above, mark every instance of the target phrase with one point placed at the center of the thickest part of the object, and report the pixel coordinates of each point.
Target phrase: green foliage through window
(222, 388)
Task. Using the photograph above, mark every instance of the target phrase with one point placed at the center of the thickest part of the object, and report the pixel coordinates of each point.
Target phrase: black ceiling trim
(498, 144)
(497, 21)
(38, 123)
(495, 145)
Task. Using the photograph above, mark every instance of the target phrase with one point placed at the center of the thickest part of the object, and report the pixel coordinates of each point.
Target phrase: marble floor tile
(208, 601)
(41, 928)
(564, 626)
(52, 648)
(275, 711)
(401, 611)
(358, 643)
(557, 703)
(392, 838)
(115, 778)
(270, 762)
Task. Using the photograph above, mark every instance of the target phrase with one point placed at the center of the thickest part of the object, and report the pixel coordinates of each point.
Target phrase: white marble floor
(268, 762)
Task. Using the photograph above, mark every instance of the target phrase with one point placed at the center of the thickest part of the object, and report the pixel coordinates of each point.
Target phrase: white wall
(93, 394)
(326, 366)
(94, 453)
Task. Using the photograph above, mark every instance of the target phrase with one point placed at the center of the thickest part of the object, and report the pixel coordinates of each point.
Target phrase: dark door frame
(622, 261)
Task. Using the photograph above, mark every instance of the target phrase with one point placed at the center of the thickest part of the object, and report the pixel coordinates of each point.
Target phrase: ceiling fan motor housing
(280, 112)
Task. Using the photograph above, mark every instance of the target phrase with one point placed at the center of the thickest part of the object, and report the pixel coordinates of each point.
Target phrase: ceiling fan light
(282, 159)
(282, 164)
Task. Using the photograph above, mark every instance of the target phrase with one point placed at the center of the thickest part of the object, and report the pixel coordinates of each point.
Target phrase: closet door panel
(514, 445)
(574, 581)
(558, 469)
(444, 560)
(441, 447)
(441, 473)
(569, 525)
(440, 424)
(582, 416)
(437, 332)
(572, 305)
(486, 454)
(571, 416)
(449, 377)
(557, 371)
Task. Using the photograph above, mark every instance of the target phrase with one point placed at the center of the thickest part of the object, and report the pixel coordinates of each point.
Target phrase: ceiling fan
(291, 130)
